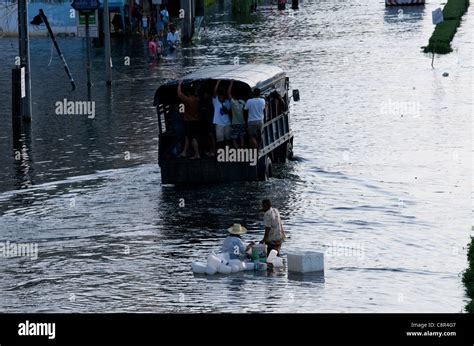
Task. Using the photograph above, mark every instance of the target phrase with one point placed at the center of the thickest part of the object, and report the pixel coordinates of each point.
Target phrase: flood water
(381, 182)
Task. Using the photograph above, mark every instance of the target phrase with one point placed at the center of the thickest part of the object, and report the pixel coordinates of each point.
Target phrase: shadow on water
(315, 277)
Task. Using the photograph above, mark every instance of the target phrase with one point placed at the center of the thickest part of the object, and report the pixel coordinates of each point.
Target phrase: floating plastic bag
(224, 269)
(224, 256)
(235, 268)
(249, 265)
(241, 266)
(210, 270)
(234, 262)
(277, 262)
(214, 261)
(198, 267)
(271, 256)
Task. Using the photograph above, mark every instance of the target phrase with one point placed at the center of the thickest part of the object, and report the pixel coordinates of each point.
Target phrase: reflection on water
(371, 174)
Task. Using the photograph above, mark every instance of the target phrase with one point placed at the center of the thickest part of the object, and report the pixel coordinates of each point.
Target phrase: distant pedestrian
(152, 48)
(145, 25)
(165, 17)
(281, 4)
(173, 37)
(152, 31)
(160, 26)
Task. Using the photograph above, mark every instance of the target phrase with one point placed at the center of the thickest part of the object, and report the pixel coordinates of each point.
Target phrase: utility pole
(188, 24)
(25, 100)
(87, 7)
(88, 48)
(108, 58)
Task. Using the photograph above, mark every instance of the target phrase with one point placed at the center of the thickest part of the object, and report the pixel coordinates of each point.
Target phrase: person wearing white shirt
(274, 232)
(173, 37)
(256, 108)
(221, 116)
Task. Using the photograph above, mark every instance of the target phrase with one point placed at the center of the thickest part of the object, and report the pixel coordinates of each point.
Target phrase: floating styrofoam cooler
(305, 261)
(404, 2)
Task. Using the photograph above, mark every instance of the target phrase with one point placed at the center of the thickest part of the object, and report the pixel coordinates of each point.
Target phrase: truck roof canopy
(253, 75)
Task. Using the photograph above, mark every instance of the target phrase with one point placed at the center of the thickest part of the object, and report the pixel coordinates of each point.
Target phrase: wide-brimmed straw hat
(237, 229)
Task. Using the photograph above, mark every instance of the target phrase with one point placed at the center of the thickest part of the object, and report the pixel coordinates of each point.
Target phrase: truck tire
(289, 151)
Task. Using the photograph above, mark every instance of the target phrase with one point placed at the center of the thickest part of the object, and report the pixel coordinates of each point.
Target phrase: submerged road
(381, 183)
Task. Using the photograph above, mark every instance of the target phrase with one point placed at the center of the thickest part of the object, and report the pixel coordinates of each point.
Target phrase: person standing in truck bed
(237, 131)
(191, 121)
(256, 108)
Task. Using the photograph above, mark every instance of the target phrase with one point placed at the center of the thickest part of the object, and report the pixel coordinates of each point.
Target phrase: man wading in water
(274, 232)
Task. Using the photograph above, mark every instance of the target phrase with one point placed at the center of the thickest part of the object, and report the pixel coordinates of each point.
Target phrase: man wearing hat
(233, 245)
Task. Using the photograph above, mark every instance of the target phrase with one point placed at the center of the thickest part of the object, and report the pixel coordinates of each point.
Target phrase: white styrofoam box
(305, 261)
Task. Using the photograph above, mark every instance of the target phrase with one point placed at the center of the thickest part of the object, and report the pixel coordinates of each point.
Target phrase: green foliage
(208, 3)
(440, 40)
(454, 9)
(243, 6)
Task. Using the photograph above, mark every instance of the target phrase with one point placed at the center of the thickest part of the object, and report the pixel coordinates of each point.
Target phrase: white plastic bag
(277, 262)
(249, 265)
(235, 268)
(214, 261)
(271, 256)
(198, 267)
(224, 269)
(210, 270)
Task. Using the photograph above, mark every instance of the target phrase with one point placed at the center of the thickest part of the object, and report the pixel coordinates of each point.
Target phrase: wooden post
(88, 48)
(24, 46)
(188, 21)
(108, 58)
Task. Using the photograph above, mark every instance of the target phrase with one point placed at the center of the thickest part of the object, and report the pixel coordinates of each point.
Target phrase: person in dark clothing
(191, 121)
(206, 111)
